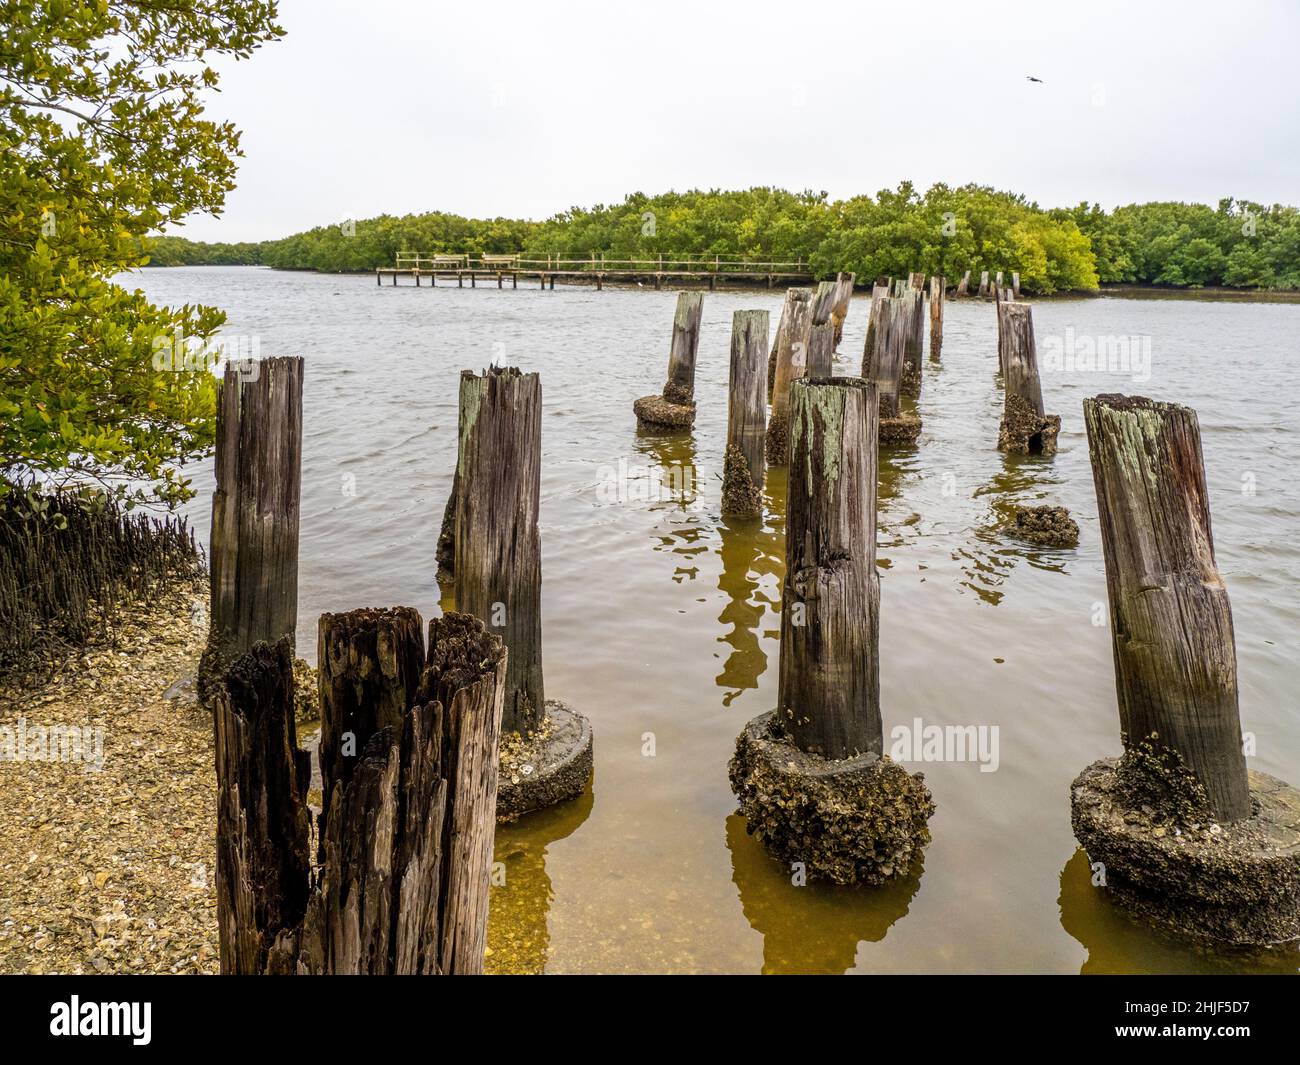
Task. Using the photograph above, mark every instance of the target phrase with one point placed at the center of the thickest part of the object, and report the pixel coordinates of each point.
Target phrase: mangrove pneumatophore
(674, 408)
(1181, 832)
(810, 776)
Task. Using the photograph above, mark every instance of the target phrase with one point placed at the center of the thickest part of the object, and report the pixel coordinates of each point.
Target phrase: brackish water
(660, 617)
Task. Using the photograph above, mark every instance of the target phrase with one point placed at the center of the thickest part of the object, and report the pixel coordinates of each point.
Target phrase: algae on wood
(1171, 622)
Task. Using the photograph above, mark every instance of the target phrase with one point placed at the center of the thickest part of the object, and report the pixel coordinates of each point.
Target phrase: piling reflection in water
(752, 565)
(1117, 944)
(814, 929)
(518, 937)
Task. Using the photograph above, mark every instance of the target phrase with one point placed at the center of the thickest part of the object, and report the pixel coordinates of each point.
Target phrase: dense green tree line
(943, 230)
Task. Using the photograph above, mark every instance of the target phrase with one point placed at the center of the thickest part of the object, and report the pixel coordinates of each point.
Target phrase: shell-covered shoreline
(111, 870)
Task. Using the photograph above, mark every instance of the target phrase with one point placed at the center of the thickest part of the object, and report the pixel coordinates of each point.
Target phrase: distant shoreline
(1209, 293)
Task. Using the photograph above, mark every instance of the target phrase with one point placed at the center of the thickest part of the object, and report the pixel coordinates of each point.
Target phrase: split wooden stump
(882, 364)
(498, 579)
(1189, 838)
(255, 514)
(674, 408)
(1025, 429)
(406, 834)
(810, 776)
(743, 464)
(789, 360)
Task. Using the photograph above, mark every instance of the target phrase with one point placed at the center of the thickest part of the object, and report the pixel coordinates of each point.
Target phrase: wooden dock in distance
(599, 271)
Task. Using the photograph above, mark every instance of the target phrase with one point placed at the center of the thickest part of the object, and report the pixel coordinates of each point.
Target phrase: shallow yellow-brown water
(661, 618)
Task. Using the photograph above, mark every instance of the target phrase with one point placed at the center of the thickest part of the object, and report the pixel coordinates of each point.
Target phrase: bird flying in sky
(1030, 77)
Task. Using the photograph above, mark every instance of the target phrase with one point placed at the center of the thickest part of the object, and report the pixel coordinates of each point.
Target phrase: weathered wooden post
(984, 284)
(936, 316)
(879, 291)
(255, 512)
(675, 407)
(821, 340)
(406, 845)
(791, 351)
(883, 365)
(913, 341)
(963, 286)
(1015, 284)
(498, 577)
(840, 308)
(810, 776)
(743, 466)
(1187, 834)
(781, 338)
(368, 666)
(1025, 428)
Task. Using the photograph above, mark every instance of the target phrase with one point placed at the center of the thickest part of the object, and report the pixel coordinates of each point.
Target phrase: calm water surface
(662, 617)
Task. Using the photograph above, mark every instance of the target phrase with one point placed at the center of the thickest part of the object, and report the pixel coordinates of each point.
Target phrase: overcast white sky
(495, 107)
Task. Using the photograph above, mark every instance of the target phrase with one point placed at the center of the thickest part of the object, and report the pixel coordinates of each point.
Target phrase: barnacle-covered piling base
(548, 767)
(1048, 526)
(777, 443)
(855, 821)
(1167, 862)
(1024, 432)
(903, 429)
(741, 498)
(655, 412)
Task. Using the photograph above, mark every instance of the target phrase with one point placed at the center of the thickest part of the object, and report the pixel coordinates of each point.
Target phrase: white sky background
(497, 107)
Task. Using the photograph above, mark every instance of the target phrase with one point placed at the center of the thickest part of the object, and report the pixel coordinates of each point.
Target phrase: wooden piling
(263, 823)
(821, 340)
(403, 883)
(793, 335)
(743, 466)
(680, 386)
(498, 547)
(1025, 427)
(829, 687)
(884, 365)
(1170, 618)
(840, 308)
(963, 286)
(879, 291)
(1015, 284)
(882, 359)
(675, 407)
(984, 284)
(781, 338)
(914, 340)
(936, 316)
(255, 512)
